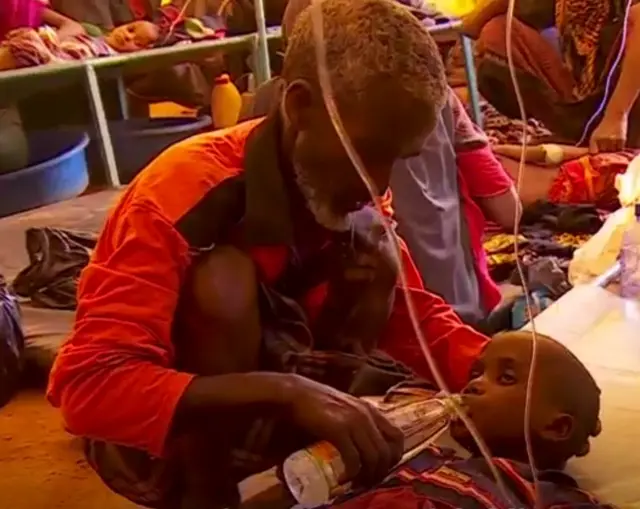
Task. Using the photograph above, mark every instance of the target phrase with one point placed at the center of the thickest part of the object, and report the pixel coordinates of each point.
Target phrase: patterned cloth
(30, 47)
(547, 230)
(587, 48)
(438, 479)
(591, 179)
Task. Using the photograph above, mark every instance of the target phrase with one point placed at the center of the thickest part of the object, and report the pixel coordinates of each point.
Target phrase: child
(564, 415)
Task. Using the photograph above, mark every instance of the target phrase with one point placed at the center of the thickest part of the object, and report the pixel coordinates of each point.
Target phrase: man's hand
(610, 135)
(368, 443)
(70, 29)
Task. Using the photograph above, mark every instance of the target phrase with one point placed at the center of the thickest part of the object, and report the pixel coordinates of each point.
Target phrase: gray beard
(322, 212)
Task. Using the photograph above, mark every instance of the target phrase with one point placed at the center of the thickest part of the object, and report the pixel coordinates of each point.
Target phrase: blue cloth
(11, 343)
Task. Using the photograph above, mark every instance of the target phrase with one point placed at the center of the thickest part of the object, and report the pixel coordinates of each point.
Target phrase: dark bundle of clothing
(549, 234)
(547, 230)
(56, 258)
(11, 343)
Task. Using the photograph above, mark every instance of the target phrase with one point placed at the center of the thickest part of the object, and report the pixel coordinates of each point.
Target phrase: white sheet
(604, 332)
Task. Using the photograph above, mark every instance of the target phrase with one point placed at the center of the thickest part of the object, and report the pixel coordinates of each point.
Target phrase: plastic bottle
(226, 103)
(317, 474)
(630, 266)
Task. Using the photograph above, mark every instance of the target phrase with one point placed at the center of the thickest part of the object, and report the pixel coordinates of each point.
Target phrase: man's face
(328, 179)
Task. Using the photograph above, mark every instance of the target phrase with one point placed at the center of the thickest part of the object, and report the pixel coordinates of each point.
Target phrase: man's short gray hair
(374, 49)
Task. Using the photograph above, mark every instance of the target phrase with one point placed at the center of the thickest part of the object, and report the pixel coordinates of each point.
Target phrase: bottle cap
(223, 79)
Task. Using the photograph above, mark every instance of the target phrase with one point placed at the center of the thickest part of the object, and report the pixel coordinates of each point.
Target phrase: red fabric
(591, 179)
(138, 8)
(481, 176)
(114, 378)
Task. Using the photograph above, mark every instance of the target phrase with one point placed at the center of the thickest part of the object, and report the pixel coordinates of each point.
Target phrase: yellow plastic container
(226, 103)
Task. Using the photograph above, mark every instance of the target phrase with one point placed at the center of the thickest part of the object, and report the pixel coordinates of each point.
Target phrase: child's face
(495, 397)
(132, 36)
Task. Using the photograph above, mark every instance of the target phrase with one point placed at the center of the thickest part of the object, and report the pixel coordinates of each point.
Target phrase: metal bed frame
(19, 83)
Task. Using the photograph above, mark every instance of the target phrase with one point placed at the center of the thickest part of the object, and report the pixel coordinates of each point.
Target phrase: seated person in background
(441, 199)
(563, 51)
(566, 174)
(565, 408)
(250, 234)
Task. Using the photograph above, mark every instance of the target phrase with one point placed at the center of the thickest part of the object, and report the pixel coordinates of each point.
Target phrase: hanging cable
(328, 97)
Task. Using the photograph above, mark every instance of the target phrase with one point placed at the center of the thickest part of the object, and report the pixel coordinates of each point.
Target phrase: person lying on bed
(29, 47)
(238, 253)
(441, 199)
(566, 174)
(564, 415)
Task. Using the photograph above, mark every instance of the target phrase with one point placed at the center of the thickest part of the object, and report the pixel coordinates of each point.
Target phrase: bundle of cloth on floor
(56, 258)
(12, 343)
(548, 236)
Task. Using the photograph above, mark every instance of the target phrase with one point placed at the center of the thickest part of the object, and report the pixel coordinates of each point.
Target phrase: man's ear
(298, 103)
(559, 428)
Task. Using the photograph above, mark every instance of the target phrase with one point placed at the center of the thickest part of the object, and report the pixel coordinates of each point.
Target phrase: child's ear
(559, 428)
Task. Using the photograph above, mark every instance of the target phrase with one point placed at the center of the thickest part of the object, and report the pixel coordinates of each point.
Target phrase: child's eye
(507, 378)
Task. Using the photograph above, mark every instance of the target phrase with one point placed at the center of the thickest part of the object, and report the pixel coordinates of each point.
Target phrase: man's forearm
(55, 19)
(628, 87)
(207, 393)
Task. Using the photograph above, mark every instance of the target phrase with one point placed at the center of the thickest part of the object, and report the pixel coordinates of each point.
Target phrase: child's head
(565, 401)
(133, 36)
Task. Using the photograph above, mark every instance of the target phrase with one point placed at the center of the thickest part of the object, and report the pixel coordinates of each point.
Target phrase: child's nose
(475, 387)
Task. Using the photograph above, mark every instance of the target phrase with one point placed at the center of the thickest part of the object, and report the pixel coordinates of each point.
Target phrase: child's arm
(551, 154)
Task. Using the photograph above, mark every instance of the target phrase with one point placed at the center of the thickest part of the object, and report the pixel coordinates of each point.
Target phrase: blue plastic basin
(57, 171)
(136, 142)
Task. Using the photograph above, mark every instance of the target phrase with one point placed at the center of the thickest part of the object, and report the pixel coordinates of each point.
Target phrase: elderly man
(231, 257)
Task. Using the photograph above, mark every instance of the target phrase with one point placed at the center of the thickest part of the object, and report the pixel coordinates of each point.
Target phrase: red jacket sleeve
(113, 379)
(454, 345)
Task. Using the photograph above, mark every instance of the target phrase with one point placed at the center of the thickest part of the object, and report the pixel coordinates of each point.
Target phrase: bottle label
(328, 459)
(418, 418)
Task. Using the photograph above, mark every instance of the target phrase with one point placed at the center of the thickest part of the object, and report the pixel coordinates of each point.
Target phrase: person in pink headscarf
(33, 13)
